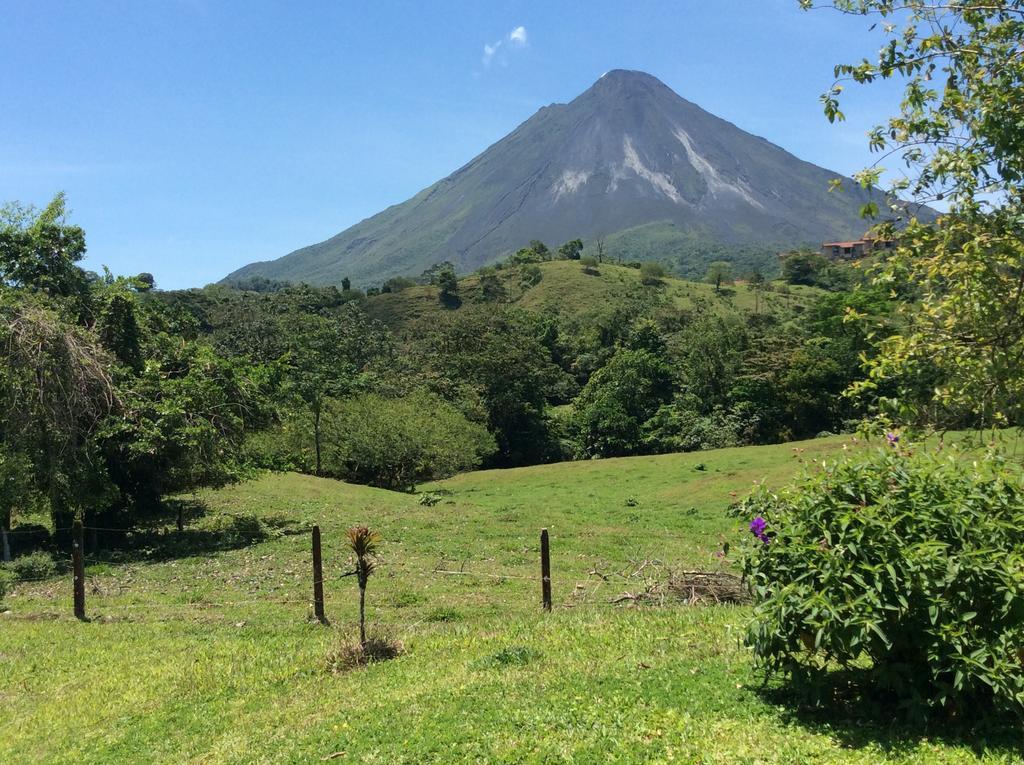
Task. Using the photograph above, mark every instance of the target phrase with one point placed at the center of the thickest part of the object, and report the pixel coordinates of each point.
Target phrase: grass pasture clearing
(211, 657)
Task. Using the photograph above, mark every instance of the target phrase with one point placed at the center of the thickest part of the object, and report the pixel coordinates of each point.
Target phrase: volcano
(629, 164)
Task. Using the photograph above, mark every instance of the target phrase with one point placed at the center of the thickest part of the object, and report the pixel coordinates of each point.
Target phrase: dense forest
(118, 394)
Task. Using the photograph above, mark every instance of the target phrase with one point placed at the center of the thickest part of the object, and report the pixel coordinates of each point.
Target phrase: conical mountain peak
(628, 162)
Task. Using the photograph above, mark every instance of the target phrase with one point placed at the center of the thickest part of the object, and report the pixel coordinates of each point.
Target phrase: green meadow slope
(565, 289)
(200, 649)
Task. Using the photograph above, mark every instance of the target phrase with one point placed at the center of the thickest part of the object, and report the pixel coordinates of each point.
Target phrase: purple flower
(758, 527)
(893, 439)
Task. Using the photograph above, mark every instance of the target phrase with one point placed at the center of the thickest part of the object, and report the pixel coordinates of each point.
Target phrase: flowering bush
(908, 569)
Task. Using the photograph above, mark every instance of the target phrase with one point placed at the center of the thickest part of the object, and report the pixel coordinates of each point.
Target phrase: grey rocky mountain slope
(629, 162)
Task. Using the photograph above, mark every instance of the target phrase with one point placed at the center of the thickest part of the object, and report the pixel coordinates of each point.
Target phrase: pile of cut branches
(652, 582)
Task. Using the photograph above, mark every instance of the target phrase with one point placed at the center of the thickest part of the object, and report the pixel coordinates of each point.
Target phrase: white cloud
(515, 39)
(489, 51)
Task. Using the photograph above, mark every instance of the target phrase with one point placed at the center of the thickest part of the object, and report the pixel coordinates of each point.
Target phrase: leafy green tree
(958, 130)
(589, 263)
(493, 360)
(117, 323)
(346, 284)
(680, 427)
(959, 133)
(530, 275)
(719, 273)
(327, 358)
(190, 412)
(610, 412)
(571, 250)
(803, 267)
(39, 250)
(57, 387)
(709, 352)
(491, 288)
(540, 249)
(430, 275)
(448, 286)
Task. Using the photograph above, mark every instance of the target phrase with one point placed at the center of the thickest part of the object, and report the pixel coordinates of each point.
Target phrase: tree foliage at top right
(959, 135)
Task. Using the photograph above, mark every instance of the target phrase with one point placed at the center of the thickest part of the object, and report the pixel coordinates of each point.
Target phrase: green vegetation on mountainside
(567, 291)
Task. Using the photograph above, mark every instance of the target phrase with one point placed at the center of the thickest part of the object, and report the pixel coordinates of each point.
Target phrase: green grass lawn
(211, 657)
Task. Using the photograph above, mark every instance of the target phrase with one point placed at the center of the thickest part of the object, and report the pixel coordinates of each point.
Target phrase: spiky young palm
(363, 543)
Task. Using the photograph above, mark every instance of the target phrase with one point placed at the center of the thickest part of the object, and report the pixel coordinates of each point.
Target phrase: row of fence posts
(78, 572)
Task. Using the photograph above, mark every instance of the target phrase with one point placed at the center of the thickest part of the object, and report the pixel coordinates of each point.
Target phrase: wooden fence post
(78, 566)
(318, 578)
(545, 569)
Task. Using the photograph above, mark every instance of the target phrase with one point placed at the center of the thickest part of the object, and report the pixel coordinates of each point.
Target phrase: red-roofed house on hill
(857, 249)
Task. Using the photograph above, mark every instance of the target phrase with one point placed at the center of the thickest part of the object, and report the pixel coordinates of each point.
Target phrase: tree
(57, 387)
(448, 286)
(609, 414)
(363, 544)
(540, 249)
(346, 284)
(958, 130)
(319, 368)
(530, 275)
(803, 267)
(589, 263)
(39, 250)
(492, 360)
(719, 273)
(757, 283)
(491, 288)
(571, 250)
(710, 358)
(187, 413)
(959, 133)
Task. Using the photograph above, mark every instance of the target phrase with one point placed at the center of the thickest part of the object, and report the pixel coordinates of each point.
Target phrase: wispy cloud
(514, 39)
(489, 51)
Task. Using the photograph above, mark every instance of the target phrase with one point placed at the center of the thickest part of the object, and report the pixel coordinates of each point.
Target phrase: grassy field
(210, 656)
(565, 289)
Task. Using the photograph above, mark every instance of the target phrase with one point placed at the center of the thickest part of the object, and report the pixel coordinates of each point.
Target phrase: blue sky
(194, 136)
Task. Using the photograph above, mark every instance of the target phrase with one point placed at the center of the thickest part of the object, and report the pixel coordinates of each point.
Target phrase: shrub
(398, 283)
(37, 565)
(530, 276)
(907, 570)
(651, 273)
(679, 427)
(352, 654)
(510, 656)
(589, 264)
(6, 580)
(396, 443)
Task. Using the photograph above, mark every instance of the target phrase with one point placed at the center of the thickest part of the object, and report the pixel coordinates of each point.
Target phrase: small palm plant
(363, 542)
